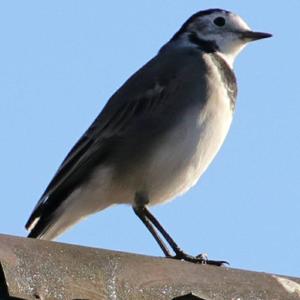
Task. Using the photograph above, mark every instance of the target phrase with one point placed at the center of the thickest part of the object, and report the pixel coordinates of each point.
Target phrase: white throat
(229, 55)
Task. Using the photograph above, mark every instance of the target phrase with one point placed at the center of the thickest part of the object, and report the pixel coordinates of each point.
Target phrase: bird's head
(217, 30)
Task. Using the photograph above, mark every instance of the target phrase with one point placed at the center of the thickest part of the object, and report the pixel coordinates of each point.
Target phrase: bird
(157, 134)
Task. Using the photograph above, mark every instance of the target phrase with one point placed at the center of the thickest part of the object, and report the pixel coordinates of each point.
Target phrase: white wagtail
(156, 135)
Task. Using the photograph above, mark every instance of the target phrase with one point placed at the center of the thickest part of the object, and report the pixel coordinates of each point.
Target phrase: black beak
(253, 35)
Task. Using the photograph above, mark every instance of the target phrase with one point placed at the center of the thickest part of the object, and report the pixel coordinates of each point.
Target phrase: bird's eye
(219, 21)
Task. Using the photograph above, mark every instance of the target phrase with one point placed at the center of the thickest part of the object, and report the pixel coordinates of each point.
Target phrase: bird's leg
(151, 223)
(139, 211)
(152, 230)
(163, 232)
(179, 253)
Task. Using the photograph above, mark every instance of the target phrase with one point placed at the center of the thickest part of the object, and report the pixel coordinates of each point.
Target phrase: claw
(199, 259)
(203, 256)
(219, 263)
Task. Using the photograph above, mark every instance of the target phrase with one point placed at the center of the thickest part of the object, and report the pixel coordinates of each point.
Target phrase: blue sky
(60, 62)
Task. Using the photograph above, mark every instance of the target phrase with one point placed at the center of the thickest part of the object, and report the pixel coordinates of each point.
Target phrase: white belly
(190, 148)
(179, 165)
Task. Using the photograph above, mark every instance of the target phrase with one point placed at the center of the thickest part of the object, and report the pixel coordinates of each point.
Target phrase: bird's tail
(44, 229)
(48, 226)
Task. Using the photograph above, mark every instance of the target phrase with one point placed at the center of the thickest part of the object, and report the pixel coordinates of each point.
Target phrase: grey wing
(148, 90)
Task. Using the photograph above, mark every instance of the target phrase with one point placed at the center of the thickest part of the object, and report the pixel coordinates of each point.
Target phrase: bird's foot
(199, 259)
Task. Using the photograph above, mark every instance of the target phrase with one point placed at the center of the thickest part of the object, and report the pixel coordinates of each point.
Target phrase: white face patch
(227, 37)
(222, 29)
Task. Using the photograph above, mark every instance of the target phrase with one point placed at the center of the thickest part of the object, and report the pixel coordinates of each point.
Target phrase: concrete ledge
(35, 269)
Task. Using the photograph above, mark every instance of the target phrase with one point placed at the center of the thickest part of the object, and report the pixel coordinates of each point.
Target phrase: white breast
(191, 146)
